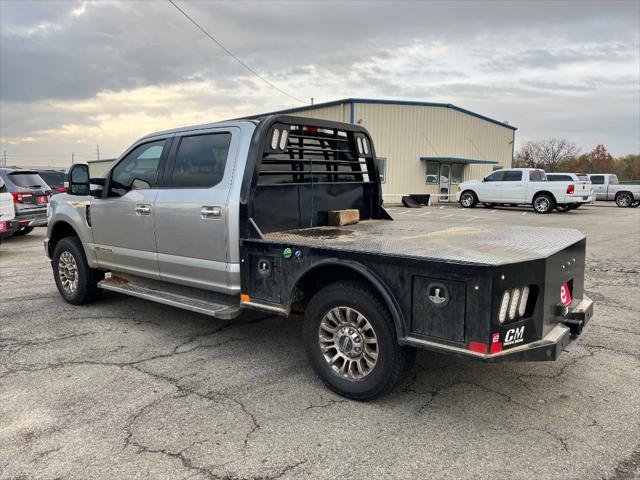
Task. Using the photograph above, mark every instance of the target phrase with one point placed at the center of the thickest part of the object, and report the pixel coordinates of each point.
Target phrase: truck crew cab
(231, 216)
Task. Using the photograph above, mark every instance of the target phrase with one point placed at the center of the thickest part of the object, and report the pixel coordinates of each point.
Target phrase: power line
(233, 56)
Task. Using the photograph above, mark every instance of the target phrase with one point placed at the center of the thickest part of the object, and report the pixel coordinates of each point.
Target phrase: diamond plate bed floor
(483, 245)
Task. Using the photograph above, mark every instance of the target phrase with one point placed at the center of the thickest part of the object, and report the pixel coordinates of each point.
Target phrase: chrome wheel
(624, 200)
(68, 273)
(542, 204)
(466, 199)
(348, 343)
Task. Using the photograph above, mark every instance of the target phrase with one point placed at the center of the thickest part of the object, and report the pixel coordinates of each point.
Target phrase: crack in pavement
(562, 441)
(330, 402)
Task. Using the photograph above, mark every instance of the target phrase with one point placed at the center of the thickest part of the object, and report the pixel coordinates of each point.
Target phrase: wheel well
(625, 191)
(469, 190)
(60, 231)
(545, 192)
(312, 281)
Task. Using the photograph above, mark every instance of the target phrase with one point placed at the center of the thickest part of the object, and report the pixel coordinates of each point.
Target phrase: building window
(433, 173)
(381, 163)
(456, 172)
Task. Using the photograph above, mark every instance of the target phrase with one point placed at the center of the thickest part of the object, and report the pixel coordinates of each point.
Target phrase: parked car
(8, 223)
(606, 187)
(30, 196)
(55, 180)
(571, 177)
(255, 215)
(522, 186)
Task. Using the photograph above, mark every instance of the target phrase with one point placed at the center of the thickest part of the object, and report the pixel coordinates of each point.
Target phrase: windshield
(53, 179)
(28, 180)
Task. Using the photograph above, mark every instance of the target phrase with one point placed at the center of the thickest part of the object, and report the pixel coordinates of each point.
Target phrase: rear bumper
(549, 348)
(560, 337)
(8, 228)
(32, 219)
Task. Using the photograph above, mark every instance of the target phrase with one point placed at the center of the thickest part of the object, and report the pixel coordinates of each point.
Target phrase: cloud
(73, 74)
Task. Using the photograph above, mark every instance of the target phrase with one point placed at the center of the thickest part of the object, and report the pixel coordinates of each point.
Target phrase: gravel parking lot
(125, 388)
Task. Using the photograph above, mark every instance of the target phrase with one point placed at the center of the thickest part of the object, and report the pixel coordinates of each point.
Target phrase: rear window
(613, 180)
(53, 179)
(582, 177)
(201, 160)
(597, 179)
(512, 176)
(559, 178)
(27, 180)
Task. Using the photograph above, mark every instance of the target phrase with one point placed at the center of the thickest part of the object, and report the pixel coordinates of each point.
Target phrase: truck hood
(470, 183)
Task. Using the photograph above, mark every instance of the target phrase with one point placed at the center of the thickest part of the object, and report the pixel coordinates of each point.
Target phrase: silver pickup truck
(247, 215)
(607, 187)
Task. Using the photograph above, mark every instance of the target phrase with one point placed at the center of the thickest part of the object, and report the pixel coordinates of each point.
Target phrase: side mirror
(77, 179)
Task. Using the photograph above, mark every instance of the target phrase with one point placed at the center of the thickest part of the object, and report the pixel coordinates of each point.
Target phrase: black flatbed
(455, 243)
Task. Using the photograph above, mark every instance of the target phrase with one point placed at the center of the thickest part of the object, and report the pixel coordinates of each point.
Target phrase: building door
(445, 182)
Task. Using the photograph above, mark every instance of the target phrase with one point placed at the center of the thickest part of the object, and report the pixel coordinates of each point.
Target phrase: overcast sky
(74, 74)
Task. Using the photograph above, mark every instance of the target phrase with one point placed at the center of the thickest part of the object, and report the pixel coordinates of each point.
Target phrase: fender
(371, 277)
(72, 211)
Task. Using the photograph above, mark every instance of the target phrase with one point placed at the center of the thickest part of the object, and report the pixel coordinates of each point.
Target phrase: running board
(225, 307)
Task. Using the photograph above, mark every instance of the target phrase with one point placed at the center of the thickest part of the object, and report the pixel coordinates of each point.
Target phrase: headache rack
(315, 155)
(306, 167)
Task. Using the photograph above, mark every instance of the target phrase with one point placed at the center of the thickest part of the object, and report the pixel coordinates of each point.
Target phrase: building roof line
(345, 101)
(458, 160)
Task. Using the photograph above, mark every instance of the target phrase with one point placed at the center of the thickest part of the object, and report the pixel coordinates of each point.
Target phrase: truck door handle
(142, 209)
(210, 212)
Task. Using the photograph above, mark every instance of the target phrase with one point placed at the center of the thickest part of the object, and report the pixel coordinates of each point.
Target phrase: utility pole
(72, 158)
(4, 158)
(98, 151)
(311, 100)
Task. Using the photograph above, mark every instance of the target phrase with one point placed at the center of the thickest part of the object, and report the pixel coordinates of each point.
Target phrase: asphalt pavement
(128, 389)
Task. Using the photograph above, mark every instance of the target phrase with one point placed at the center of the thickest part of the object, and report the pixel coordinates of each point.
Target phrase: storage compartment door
(439, 308)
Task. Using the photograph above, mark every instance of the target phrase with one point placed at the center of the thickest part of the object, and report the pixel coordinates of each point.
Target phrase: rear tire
(489, 205)
(76, 281)
(564, 208)
(544, 203)
(351, 341)
(636, 204)
(468, 199)
(624, 199)
(23, 231)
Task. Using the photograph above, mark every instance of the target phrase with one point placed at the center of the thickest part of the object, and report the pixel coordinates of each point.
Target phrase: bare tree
(547, 153)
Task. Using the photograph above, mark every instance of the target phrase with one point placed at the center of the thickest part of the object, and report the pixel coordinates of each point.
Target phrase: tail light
(61, 189)
(514, 304)
(571, 188)
(20, 197)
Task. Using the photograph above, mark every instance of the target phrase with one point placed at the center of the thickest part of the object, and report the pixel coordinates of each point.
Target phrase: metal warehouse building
(423, 147)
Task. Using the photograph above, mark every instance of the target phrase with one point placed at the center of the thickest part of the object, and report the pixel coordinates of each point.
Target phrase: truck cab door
(122, 220)
(192, 211)
(513, 187)
(490, 190)
(599, 186)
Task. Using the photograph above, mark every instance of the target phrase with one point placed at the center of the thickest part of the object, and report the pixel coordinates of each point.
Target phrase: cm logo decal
(513, 336)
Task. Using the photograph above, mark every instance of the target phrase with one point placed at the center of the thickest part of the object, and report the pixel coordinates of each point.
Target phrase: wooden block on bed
(338, 218)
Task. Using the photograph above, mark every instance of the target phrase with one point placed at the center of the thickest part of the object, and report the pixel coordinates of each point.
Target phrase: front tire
(468, 199)
(352, 343)
(624, 199)
(76, 281)
(544, 203)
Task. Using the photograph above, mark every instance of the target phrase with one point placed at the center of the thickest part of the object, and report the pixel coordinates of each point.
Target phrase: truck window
(381, 162)
(559, 178)
(613, 180)
(496, 176)
(138, 170)
(539, 176)
(512, 176)
(582, 177)
(597, 179)
(201, 160)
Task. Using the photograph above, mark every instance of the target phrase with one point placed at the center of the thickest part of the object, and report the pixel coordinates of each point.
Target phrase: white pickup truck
(523, 186)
